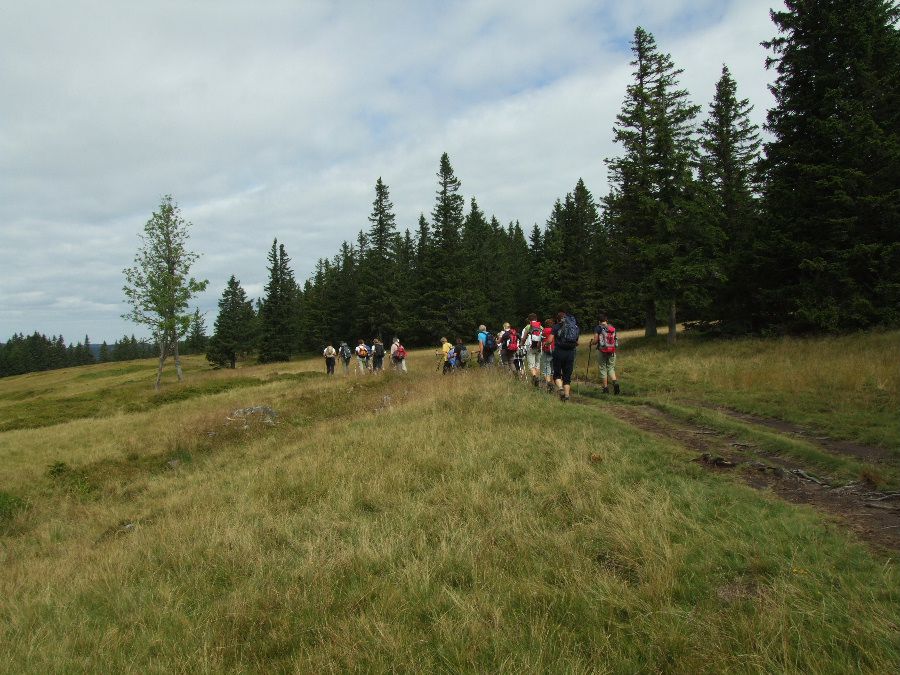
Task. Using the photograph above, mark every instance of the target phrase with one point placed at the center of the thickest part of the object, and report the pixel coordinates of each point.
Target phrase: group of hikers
(545, 350)
(369, 357)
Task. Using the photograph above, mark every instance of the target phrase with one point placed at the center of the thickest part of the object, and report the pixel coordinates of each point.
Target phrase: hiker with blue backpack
(565, 338)
(607, 343)
(487, 346)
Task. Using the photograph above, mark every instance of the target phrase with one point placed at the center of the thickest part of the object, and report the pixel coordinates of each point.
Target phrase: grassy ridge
(414, 523)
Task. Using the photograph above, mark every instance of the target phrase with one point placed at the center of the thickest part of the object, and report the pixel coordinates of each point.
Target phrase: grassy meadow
(421, 523)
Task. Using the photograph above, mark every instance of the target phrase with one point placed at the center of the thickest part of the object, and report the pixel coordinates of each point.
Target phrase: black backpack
(379, 350)
(345, 352)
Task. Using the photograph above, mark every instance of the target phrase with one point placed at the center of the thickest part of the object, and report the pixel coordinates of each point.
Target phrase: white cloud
(275, 119)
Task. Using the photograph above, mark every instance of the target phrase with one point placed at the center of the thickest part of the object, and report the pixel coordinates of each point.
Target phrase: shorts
(533, 359)
(547, 364)
(563, 365)
(607, 365)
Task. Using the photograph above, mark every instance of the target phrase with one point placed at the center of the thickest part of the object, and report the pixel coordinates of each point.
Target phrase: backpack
(609, 341)
(567, 336)
(535, 336)
(512, 340)
(400, 354)
(547, 347)
(464, 355)
(362, 351)
(490, 343)
(345, 352)
(379, 351)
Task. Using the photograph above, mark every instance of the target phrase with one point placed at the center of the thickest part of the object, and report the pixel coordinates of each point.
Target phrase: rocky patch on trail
(261, 413)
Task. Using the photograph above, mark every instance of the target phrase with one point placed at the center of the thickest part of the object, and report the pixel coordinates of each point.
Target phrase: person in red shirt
(547, 354)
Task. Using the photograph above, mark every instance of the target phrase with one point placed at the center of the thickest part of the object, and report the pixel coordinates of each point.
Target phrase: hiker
(518, 359)
(362, 358)
(346, 355)
(377, 355)
(487, 346)
(398, 355)
(533, 339)
(504, 341)
(444, 353)
(330, 355)
(565, 337)
(462, 354)
(607, 341)
(547, 354)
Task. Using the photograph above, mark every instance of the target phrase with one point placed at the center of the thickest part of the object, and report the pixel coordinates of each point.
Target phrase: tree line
(36, 352)
(702, 221)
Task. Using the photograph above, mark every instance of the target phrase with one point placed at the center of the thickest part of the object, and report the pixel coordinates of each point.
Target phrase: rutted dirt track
(873, 516)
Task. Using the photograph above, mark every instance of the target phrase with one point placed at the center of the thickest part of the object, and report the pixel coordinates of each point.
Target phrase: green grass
(411, 523)
(848, 387)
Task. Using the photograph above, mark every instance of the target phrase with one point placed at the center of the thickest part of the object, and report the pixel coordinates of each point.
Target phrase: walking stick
(587, 368)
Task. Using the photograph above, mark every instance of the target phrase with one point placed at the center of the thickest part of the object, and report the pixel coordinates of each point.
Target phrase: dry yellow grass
(414, 523)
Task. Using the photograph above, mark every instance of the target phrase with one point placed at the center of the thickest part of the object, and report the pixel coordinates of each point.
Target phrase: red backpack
(608, 339)
(535, 335)
(512, 343)
(400, 353)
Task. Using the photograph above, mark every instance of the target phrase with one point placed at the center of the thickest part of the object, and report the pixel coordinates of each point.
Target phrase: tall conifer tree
(833, 166)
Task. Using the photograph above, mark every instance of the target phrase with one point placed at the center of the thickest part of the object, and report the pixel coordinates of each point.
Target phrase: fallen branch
(884, 498)
(802, 474)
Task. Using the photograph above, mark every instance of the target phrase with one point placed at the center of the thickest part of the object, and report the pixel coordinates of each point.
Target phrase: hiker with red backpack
(533, 340)
(362, 358)
(398, 355)
(607, 342)
(509, 345)
(565, 338)
(547, 354)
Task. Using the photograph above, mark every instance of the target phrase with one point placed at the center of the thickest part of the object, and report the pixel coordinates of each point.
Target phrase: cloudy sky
(274, 119)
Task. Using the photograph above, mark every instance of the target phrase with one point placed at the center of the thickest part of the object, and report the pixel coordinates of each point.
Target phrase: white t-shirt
(329, 353)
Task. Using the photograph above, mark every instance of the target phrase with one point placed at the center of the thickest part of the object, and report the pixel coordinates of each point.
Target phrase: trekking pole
(587, 368)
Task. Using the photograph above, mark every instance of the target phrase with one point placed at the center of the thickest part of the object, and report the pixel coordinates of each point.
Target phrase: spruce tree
(278, 316)
(379, 313)
(729, 171)
(669, 254)
(451, 317)
(833, 166)
(233, 331)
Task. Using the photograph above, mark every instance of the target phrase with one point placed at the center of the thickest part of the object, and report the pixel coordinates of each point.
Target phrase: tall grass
(414, 523)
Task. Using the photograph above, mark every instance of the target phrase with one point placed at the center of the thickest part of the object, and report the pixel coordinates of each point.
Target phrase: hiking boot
(605, 390)
(562, 394)
(549, 388)
(565, 399)
(535, 381)
(616, 389)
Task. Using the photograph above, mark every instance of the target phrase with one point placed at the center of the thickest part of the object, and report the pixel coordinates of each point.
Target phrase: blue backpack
(568, 332)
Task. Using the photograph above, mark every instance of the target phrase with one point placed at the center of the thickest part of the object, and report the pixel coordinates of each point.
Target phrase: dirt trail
(866, 453)
(873, 516)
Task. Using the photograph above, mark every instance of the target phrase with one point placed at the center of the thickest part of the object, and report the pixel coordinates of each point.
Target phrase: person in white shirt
(330, 355)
